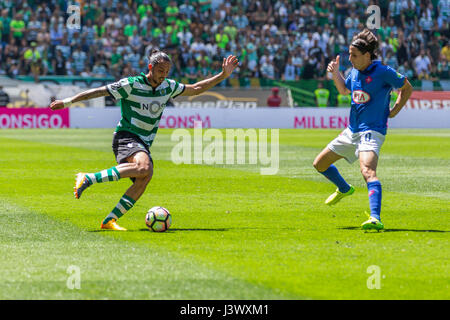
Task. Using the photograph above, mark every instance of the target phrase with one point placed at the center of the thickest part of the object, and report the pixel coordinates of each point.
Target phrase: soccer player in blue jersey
(370, 84)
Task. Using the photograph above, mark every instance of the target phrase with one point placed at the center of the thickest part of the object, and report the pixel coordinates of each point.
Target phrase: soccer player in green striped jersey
(142, 100)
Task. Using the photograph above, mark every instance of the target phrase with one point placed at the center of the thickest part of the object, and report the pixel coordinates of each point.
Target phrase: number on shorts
(367, 136)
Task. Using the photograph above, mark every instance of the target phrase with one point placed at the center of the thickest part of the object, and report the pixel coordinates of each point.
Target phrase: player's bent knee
(368, 173)
(319, 166)
(316, 165)
(145, 170)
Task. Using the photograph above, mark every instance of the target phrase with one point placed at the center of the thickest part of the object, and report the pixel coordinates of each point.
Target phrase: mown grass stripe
(40, 248)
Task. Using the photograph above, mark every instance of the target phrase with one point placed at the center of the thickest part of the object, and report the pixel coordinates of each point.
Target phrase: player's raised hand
(229, 64)
(57, 104)
(333, 66)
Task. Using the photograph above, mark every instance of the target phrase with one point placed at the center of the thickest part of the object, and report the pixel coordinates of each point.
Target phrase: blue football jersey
(371, 91)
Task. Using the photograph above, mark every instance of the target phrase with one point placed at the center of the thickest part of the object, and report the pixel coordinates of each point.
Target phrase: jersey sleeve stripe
(182, 90)
(127, 86)
(122, 93)
(175, 88)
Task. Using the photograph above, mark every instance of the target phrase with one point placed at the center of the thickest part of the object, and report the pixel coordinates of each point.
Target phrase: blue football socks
(374, 188)
(334, 176)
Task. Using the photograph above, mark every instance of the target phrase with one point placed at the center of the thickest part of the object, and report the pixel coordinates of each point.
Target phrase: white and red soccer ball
(158, 219)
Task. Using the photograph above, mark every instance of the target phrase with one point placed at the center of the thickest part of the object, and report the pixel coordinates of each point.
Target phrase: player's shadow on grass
(168, 231)
(187, 229)
(395, 230)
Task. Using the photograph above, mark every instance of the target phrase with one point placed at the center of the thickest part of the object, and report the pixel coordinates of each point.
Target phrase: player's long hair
(157, 57)
(366, 41)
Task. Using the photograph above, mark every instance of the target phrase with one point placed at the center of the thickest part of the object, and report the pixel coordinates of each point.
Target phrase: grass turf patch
(269, 234)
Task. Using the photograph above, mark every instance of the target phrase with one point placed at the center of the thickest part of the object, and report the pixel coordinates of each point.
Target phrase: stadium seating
(113, 38)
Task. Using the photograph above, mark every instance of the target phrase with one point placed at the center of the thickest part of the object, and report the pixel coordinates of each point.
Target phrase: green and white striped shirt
(141, 105)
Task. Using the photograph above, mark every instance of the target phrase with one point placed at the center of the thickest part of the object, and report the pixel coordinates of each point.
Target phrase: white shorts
(349, 144)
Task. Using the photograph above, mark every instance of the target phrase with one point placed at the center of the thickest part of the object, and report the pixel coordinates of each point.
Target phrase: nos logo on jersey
(154, 107)
(360, 96)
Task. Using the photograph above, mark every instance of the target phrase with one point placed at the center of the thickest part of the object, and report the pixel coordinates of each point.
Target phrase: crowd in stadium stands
(274, 39)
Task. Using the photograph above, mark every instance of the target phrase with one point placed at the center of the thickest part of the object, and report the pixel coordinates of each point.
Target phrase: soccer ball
(158, 219)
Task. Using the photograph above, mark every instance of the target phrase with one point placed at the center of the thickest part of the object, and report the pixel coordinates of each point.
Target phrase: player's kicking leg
(368, 163)
(85, 180)
(139, 167)
(324, 165)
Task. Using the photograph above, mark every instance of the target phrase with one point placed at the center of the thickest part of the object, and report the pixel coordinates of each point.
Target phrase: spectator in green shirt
(91, 11)
(205, 5)
(157, 30)
(393, 42)
(145, 8)
(34, 59)
(231, 30)
(172, 30)
(323, 12)
(384, 30)
(17, 27)
(344, 100)
(322, 95)
(183, 22)
(221, 38)
(99, 30)
(115, 60)
(6, 21)
(129, 29)
(172, 12)
(162, 4)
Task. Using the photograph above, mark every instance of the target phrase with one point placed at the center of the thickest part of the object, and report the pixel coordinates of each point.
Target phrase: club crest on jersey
(368, 79)
(360, 96)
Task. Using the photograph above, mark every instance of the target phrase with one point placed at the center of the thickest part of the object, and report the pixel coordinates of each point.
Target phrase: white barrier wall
(94, 117)
(311, 118)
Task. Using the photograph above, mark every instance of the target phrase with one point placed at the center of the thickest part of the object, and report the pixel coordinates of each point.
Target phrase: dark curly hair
(366, 41)
(157, 57)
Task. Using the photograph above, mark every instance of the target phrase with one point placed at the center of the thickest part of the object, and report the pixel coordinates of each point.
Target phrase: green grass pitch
(235, 235)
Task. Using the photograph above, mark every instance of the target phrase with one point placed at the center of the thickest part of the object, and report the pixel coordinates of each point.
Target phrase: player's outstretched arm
(403, 96)
(228, 65)
(338, 79)
(85, 95)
